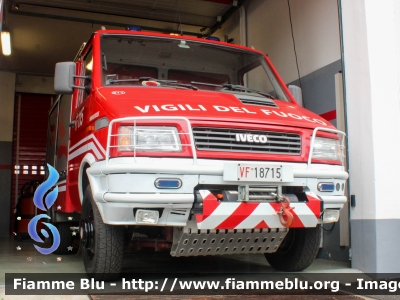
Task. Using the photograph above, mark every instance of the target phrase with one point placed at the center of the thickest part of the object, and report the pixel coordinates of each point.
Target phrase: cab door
(80, 137)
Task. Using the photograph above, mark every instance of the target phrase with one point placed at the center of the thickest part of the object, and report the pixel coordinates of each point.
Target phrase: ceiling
(44, 32)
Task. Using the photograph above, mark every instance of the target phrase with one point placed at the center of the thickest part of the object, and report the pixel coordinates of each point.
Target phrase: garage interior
(304, 39)
(306, 54)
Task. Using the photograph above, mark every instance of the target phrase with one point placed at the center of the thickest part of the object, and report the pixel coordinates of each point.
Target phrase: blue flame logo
(49, 201)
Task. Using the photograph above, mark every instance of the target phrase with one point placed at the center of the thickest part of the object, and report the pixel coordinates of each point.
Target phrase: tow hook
(284, 211)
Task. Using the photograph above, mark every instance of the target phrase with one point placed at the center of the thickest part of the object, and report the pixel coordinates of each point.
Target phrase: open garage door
(29, 144)
(305, 53)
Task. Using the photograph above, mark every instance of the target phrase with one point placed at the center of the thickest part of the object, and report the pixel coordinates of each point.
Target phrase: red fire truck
(192, 145)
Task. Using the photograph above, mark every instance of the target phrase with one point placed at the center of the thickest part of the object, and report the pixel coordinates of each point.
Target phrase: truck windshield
(180, 63)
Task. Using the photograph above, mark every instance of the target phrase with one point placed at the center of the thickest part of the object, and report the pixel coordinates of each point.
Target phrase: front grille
(221, 139)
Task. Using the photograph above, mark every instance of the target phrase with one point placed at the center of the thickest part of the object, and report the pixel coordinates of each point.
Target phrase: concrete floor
(28, 260)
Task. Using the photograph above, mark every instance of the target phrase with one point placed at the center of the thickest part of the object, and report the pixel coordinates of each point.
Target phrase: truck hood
(227, 106)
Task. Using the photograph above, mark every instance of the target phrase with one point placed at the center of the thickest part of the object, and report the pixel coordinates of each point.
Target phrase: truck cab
(192, 145)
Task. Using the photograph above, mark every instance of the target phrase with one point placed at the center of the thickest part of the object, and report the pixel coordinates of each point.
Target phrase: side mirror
(64, 77)
(297, 94)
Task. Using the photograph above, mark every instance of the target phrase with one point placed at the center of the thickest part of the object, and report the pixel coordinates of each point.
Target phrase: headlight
(328, 149)
(148, 139)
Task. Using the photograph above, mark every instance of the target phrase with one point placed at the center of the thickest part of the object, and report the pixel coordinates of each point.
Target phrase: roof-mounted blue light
(213, 38)
(133, 28)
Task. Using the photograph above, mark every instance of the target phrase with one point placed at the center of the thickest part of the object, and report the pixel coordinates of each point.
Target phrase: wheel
(65, 237)
(297, 251)
(102, 245)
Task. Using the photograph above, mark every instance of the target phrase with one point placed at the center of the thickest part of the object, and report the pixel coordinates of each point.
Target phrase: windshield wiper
(140, 79)
(232, 87)
(127, 80)
(205, 83)
(239, 88)
(235, 87)
(186, 85)
(168, 82)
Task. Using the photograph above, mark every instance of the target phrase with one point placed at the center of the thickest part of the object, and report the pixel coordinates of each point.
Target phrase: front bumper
(123, 185)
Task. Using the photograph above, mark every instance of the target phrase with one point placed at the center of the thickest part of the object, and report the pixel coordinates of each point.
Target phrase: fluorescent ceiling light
(6, 42)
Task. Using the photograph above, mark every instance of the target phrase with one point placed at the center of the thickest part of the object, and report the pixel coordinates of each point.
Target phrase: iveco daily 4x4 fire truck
(191, 145)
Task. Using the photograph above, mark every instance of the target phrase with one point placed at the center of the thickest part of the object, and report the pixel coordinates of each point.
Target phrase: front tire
(297, 251)
(102, 245)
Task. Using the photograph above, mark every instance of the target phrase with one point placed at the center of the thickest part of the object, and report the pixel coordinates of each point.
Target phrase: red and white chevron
(249, 215)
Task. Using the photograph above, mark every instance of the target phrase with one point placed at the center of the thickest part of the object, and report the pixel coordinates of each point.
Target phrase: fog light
(326, 186)
(331, 215)
(146, 216)
(168, 183)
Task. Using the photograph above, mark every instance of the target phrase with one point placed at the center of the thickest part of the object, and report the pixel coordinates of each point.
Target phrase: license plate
(258, 172)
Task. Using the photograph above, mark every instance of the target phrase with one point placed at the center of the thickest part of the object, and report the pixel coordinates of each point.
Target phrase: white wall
(7, 92)
(372, 61)
(383, 39)
(371, 40)
(315, 28)
(316, 32)
(269, 31)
